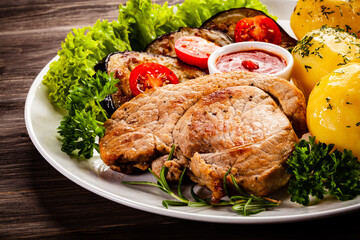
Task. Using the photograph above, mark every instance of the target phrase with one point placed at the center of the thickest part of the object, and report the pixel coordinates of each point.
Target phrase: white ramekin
(246, 46)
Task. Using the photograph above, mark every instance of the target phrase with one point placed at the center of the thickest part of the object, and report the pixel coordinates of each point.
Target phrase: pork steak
(239, 128)
(240, 120)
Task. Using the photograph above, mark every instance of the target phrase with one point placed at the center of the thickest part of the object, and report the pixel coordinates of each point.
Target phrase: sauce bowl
(253, 46)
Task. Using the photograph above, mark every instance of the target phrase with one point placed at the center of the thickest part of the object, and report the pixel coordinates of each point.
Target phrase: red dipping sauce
(252, 60)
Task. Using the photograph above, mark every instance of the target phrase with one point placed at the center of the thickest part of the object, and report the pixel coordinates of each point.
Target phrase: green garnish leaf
(80, 128)
(180, 180)
(78, 132)
(317, 169)
(244, 205)
(195, 196)
(90, 93)
(167, 203)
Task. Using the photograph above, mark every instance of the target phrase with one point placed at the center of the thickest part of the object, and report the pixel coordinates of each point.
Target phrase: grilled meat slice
(239, 128)
(145, 128)
(165, 44)
(122, 63)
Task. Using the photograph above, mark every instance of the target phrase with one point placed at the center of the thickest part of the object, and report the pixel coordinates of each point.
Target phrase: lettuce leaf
(149, 20)
(195, 12)
(82, 49)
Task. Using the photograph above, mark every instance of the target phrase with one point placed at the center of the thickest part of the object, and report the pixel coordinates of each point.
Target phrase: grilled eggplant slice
(226, 22)
(165, 44)
(122, 63)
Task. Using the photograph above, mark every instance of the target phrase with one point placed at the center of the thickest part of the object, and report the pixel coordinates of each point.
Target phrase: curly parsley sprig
(242, 203)
(84, 123)
(318, 169)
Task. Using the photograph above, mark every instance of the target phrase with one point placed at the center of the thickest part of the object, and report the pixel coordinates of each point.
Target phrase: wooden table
(36, 201)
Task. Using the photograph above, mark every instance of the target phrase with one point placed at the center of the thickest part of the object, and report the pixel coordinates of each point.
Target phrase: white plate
(42, 121)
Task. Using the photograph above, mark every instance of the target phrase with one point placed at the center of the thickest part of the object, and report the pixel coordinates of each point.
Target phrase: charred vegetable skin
(165, 44)
(122, 63)
(226, 22)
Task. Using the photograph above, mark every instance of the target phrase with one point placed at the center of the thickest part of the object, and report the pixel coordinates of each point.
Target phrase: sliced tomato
(150, 75)
(194, 50)
(260, 28)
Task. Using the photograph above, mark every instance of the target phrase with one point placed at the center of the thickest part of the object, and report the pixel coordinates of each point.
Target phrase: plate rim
(235, 219)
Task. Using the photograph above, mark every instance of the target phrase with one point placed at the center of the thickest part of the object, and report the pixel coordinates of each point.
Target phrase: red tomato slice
(259, 28)
(194, 50)
(150, 75)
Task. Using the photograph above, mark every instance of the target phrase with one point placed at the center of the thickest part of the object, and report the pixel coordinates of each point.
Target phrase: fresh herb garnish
(78, 132)
(317, 169)
(242, 203)
(326, 11)
(307, 67)
(79, 129)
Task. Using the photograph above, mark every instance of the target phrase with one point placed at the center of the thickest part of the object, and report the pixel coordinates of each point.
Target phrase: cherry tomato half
(194, 50)
(150, 75)
(259, 28)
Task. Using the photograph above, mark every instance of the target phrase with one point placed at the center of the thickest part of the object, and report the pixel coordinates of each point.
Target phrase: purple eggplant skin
(108, 105)
(165, 44)
(226, 22)
(122, 63)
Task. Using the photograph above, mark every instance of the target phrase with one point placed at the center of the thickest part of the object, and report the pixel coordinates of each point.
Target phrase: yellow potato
(333, 111)
(313, 14)
(320, 52)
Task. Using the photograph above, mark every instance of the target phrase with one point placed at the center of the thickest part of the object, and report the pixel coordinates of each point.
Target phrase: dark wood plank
(36, 201)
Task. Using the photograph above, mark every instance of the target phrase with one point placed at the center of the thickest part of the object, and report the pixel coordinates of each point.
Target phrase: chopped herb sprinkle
(307, 67)
(326, 11)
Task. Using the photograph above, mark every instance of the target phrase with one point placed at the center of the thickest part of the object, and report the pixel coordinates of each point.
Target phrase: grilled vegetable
(165, 44)
(194, 50)
(260, 28)
(122, 64)
(150, 75)
(226, 22)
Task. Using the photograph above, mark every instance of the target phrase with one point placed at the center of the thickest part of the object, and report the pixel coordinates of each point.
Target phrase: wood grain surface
(36, 201)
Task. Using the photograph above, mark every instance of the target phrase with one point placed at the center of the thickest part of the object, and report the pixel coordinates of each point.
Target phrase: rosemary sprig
(242, 203)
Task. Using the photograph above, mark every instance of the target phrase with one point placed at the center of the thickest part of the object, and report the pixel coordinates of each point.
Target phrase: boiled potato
(312, 14)
(320, 52)
(333, 111)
